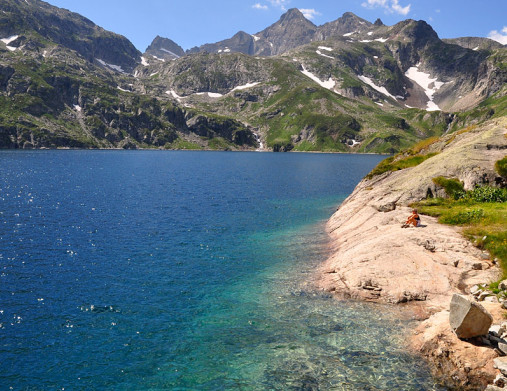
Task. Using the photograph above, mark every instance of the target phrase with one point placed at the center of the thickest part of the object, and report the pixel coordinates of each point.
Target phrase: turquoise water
(151, 270)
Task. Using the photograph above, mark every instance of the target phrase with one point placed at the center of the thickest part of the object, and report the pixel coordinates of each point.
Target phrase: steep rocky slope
(35, 22)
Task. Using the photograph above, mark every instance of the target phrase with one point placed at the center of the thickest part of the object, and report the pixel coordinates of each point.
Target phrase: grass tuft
(484, 222)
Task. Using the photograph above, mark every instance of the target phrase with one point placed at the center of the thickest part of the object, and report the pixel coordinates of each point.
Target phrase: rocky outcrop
(468, 318)
(432, 262)
(375, 259)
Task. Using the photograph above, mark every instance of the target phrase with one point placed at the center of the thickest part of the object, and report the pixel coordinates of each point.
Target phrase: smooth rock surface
(371, 245)
(468, 318)
(501, 364)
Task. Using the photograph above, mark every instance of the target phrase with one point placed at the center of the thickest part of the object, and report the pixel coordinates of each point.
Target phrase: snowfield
(429, 85)
(370, 82)
(329, 84)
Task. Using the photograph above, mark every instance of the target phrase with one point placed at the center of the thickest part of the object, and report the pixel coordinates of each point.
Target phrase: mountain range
(349, 85)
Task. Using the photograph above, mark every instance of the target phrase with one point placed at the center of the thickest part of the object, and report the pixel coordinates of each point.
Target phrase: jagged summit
(417, 30)
(292, 30)
(347, 23)
(164, 48)
(293, 14)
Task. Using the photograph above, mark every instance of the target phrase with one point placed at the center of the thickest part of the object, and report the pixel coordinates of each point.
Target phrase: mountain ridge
(371, 89)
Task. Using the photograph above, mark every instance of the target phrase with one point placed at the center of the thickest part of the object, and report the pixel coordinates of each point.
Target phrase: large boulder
(468, 318)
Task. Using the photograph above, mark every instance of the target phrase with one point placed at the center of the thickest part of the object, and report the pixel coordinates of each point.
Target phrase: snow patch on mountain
(429, 85)
(370, 82)
(214, 95)
(381, 39)
(329, 84)
(325, 48)
(323, 55)
(256, 38)
(244, 87)
(10, 39)
(173, 94)
(144, 62)
(112, 66)
(171, 53)
(349, 34)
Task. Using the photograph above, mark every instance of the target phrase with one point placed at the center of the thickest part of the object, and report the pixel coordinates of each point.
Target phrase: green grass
(183, 144)
(484, 223)
(219, 143)
(394, 164)
(453, 187)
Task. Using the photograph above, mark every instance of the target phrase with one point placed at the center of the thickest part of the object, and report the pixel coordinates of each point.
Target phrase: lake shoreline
(374, 259)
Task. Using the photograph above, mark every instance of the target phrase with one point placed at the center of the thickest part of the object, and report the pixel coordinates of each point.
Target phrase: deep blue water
(151, 270)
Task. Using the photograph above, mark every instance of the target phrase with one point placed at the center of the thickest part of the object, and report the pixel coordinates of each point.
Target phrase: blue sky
(195, 22)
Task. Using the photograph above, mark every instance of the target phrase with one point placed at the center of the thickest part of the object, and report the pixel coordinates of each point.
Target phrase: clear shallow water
(183, 271)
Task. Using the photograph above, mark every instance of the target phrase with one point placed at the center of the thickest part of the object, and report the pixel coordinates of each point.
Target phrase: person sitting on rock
(413, 219)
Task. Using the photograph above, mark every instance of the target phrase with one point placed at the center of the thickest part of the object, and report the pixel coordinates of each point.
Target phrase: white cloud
(389, 5)
(280, 3)
(502, 38)
(375, 3)
(309, 13)
(399, 9)
(259, 6)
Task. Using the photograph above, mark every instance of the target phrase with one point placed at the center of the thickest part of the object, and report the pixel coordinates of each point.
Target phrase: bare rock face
(468, 318)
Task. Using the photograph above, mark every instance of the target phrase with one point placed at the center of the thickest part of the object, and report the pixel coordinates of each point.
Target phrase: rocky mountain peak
(292, 30)
(164, 48)
(378, 23)
(418, 31)
(293, 14)
(347, 23)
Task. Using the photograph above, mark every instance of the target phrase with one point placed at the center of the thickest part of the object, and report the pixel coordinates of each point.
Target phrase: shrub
(501, 166)
(487, 194)
(452, 186)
